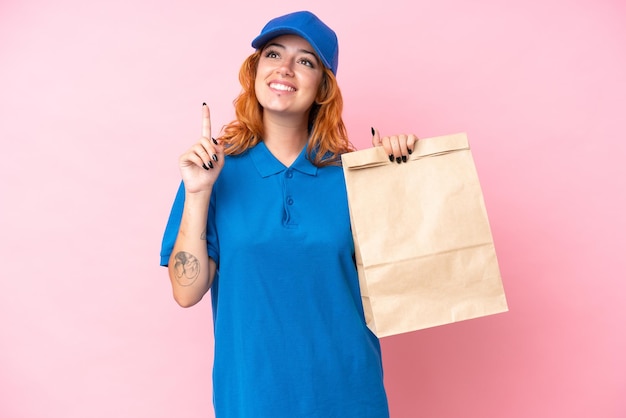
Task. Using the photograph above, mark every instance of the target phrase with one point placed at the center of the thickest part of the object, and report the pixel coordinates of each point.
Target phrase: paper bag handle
(427, 147)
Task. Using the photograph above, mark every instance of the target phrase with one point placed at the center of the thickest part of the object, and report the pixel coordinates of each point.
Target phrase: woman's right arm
(190, 269)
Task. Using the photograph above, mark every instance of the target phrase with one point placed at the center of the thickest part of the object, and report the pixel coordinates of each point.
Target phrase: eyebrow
(283, 47)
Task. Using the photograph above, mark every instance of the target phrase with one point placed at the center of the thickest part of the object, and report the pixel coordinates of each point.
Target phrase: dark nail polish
(398, 160)
(214, 140)
(404, 158)
(391, 157)
(373, 132)
(203, 104)
(210, 164)
(204, 166)
(214, 157)
(410, 151)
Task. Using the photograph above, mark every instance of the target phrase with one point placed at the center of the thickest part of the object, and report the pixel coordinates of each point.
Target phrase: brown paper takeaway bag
(424, 250)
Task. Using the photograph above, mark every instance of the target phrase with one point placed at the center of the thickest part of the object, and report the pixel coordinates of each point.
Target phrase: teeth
(281, 87)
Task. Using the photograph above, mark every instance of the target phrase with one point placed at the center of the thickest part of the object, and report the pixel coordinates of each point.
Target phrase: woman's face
(288, 76)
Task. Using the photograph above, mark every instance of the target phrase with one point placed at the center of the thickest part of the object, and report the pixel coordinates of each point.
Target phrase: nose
(286, 68)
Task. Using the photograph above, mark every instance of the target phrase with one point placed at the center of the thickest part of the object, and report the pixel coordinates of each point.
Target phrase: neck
(285, 139)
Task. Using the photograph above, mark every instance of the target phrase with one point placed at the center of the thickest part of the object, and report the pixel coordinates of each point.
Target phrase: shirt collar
(267, 165)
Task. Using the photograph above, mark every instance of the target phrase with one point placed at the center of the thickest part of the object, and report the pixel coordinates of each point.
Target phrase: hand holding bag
(424, 250)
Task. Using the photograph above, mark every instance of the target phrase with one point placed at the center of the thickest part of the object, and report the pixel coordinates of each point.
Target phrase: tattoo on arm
(203, 236)
(187, 268)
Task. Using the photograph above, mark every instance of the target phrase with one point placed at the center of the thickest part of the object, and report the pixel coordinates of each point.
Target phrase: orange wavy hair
(328, 137)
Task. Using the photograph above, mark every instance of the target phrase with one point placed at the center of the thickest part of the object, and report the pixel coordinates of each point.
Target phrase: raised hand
(201, 165)
(397, 147)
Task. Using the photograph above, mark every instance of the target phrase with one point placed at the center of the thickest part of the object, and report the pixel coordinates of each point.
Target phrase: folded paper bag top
(428, 147)
(424, 249)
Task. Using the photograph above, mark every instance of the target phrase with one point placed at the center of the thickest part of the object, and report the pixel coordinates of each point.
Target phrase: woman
(261, 219)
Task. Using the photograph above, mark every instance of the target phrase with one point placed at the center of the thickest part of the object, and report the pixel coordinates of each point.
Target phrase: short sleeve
(173, 224)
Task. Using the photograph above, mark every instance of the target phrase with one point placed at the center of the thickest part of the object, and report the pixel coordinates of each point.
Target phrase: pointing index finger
(206, 121)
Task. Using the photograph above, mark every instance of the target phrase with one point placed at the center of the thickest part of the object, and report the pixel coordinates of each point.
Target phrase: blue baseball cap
(305, 24)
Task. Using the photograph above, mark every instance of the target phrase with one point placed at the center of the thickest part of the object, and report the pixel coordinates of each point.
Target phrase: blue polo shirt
(290, 334)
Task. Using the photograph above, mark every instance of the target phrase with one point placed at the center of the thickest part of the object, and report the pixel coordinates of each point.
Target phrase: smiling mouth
(281, 87)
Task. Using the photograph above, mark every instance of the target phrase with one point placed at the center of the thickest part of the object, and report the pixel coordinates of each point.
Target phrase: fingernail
(398, 160)
(214, 157)
(204, 166)
(214, 141)
(210, 164)
(404, 158)
(373, 132)
(203, 104)
(410, 151)
(391, 157)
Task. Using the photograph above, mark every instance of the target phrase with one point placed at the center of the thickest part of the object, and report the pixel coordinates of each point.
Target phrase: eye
(270, 53)
(307, 62)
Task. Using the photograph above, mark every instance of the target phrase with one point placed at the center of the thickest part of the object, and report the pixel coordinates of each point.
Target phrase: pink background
(97, 100)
